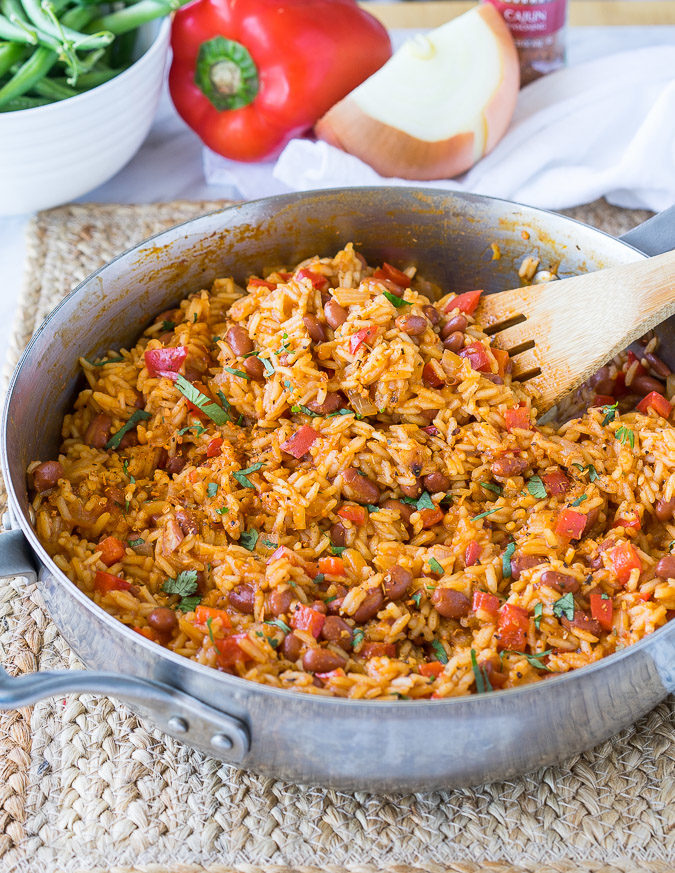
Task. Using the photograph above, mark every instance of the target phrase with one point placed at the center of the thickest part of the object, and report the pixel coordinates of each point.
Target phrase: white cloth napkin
(602, 128)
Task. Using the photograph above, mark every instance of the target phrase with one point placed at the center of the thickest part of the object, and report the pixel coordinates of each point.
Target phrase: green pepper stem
(226, 74)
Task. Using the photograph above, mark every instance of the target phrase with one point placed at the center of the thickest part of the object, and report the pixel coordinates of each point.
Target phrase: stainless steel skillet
(376, 746)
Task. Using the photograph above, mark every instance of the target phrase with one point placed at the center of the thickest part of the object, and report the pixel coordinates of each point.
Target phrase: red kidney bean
(560, 582)
(665, 569)
(239, 340)
(47, 475)
(332, 403)
(322, 661)
(628, 402)
(175, 463)
(291, 647)
(432, 314)
(359, 488)
(660, 367)
(413, 325)
(454, 342)
(451, 604)
(397, 582)
(524, 562)
(370, 606)
(254, 368)
(98, 432)
(279, 600)
(139, 400)
(163, 620)
(591, 518)
(320, 606)
(242, 598)
(334, 605)
(335, 314)
(509, 466)
(645, 384)
(314, 328)
(604, 386)
(405, 510)
(411, 491)
(336, 630)
(129, 440)
(436, 481)
(665, 509)
(582, 622)
(493, 668)
(338, 534)
(598, 377)
(456, 323)
(186, 520)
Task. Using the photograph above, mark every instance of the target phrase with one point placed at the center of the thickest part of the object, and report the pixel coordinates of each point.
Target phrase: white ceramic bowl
(55, 153)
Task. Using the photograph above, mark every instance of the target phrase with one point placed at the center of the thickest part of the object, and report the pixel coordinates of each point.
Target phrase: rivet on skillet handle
(172, 711)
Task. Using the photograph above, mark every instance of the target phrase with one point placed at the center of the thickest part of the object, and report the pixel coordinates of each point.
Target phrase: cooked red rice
(454, 562)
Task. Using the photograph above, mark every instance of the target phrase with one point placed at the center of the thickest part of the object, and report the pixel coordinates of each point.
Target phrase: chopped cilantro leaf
(125, 470)
(136, 543)
(441, 654)
(268, 366)
(277, 622)
(625, 434)
(269, 544)
(533, 660)
(435, 566)
(216, 413)
(610, 413)
(357, 639)
(318, 579)
(248, 539)
(194, 318)
(223, 510)
(537, 488)
(425, 501)
(343, 411)
(197, 428)
(212, 489)
(209, 621)
(480, 673)
(330, 599)
(483, 514)
(372, 508)
(184, 585)
(234, 372)
(337, 550)
(168, 325)
(223, 399)
(538, 614)
(506, 560)
(394, 300)
(188, 604)
(564, 606)
(417, 596)
(252, 354)
(592, 472)
(242, 475)
(492, 487)
(306, 410)
(136, 416)
(579, 500)
(288, 386)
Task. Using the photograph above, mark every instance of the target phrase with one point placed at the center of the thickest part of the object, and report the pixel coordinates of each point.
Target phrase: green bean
(53, 90)
(93, 79)
(130, 18)
(10, 53)
(122, 50)
(14, 33)
(16, 104)
(43, 16)
(31, 71)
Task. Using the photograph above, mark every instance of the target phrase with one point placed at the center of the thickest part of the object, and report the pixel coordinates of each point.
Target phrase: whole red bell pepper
(249, 75)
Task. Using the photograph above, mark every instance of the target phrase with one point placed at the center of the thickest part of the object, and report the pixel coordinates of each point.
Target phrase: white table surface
(169, 164)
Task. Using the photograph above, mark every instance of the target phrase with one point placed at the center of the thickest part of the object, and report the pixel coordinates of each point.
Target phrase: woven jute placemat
(87, 786)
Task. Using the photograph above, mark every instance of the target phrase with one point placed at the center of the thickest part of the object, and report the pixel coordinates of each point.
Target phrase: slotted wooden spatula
(559, 333)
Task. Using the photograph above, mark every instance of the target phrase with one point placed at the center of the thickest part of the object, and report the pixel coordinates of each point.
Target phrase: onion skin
(392, 152)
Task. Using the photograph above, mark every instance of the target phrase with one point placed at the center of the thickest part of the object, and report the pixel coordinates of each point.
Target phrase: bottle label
(531, 20)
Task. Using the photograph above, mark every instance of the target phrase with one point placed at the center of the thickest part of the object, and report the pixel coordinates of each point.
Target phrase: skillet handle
(176, 713)
(654, 236)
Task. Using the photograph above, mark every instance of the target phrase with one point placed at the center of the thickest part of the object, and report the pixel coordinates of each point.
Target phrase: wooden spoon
(561, 332)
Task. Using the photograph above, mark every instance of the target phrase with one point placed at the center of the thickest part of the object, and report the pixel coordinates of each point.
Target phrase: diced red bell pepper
(306, 618)
(255, 282)
(517, 418)
(213, 448)
(602, 610)
(432, 376)
(430, 517)
(165, 362)
(513, 624)
(378, 650)
(471, 554)
(204, 613)
(632, 358)
(477, 356)
(657, 402)
(148, 633)
(556, 483)
(317, 280)
(631, 522)
(466, 302)
(603, 400)
(485, 601)
(106, 582)
(112, 550)
(300, 442)
(431, 668)
(338, 673)
(365, 335)
(229, 652)
(503, 360)
(332, 566)
(355, 514)
(570, 524)
(386, 271)
(624, 558)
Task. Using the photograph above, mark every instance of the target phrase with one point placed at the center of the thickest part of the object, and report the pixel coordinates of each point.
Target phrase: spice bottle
(538, 29)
